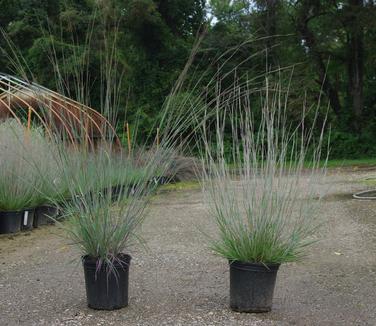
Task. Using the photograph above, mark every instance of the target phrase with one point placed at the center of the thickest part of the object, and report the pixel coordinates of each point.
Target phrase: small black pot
(43, 214)
(10, 222)
(252, 286)
(106, 290)
(27, 219)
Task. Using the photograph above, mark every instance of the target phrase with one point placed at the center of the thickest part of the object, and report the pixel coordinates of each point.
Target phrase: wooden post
(29, 118)
(129, 139)
(28, 126)
(86, 132)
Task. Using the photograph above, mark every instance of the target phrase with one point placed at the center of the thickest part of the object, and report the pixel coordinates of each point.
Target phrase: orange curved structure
(55, 112)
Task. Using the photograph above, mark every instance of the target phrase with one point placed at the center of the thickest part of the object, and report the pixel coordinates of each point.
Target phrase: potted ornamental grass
(16, 197)
(125, 176)
(44, 200)
(103, 228)
(18, 180)
(51, 186)
(120, 179)
(261, 193)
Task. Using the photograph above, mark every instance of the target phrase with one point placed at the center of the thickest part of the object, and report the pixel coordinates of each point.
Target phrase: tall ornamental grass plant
(262, 192)
(102, 226)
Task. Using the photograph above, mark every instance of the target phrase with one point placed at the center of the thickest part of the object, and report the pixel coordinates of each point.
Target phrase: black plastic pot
(10, 222)
(27, 219)
(106, 290)
(252, 286)
(43, 214)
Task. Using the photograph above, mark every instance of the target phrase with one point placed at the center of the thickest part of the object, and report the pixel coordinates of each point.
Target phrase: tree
(306, 12)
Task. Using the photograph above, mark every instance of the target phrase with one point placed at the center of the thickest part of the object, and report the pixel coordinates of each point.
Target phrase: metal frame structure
(55, 112)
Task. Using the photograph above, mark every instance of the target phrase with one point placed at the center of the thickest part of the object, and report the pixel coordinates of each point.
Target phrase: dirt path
(178, 282)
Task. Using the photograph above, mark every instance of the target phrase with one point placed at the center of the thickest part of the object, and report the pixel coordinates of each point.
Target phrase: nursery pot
(10, 222)
(252, 286)
(43, 213)
(106, 290)
(27, 219)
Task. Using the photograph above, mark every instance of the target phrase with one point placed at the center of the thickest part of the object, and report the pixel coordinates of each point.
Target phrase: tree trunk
(303, 17)
(271, 27)
(355, 59)
(269, 24)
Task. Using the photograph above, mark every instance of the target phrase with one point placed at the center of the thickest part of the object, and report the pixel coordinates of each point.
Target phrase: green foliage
(345, 145)
(351, 163)
(153, 39)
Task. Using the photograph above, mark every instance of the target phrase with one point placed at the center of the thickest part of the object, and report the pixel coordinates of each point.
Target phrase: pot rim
(13, 211)
(124, 261)
(46, 206)
(267, 267)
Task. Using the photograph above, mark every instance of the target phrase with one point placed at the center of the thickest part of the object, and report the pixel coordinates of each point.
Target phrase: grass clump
(265, 209)
(101, 225)
(23, 152)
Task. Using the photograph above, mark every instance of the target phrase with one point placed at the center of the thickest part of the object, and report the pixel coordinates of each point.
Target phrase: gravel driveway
(176, 281)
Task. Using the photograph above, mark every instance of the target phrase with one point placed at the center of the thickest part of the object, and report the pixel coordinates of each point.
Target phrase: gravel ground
(178, 282)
